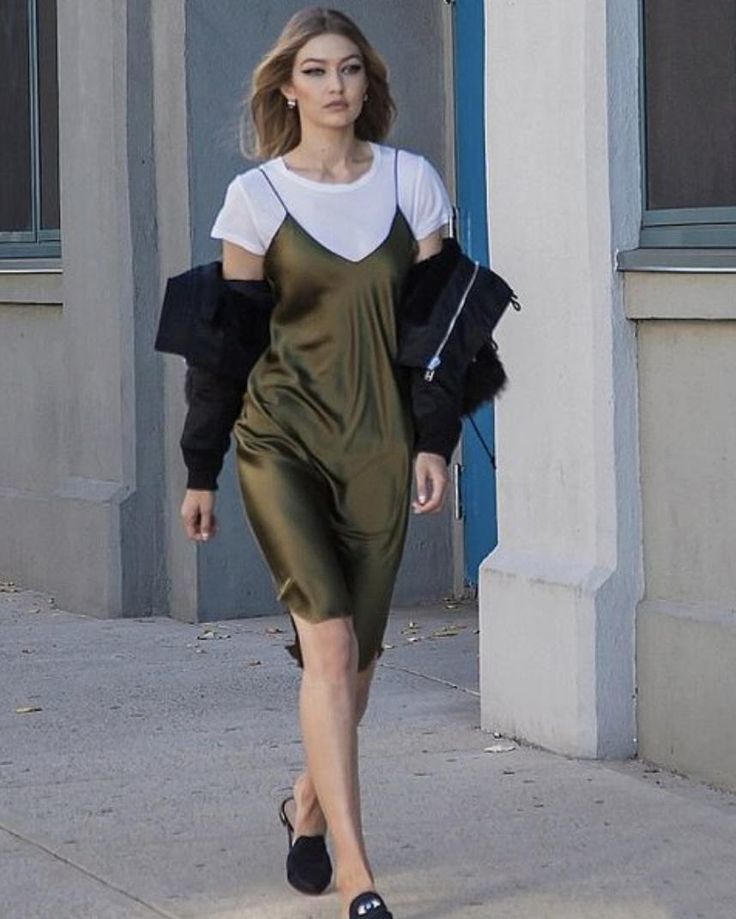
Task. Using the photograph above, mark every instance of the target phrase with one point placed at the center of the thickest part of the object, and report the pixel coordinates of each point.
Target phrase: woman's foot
(369, 905)
(308, 864)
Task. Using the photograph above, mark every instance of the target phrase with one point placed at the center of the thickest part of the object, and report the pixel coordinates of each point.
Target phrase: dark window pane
(15, 148)
(48, 114)
(690, 75)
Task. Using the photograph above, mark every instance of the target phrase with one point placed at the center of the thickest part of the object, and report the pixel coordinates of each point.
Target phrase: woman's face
(328, 81)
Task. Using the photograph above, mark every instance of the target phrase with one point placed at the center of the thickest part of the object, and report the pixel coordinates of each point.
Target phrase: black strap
(273, 188)
(491, 456)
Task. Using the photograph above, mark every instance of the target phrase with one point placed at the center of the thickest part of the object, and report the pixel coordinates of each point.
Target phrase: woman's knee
(329, 649)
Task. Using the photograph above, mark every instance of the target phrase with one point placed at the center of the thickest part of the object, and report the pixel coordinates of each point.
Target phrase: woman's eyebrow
(321, 60)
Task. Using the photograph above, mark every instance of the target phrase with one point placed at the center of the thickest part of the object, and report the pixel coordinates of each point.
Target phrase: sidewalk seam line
(433, 679)
(85, 871)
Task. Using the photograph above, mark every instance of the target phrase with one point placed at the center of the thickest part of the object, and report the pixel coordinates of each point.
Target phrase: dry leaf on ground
(447, 631)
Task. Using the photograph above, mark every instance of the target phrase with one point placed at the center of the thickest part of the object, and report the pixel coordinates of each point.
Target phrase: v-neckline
(349, 261)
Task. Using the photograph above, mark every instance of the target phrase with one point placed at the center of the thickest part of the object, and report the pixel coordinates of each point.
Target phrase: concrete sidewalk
(148, 782)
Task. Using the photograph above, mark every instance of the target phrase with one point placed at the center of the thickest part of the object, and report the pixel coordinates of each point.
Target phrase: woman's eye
(319, 71)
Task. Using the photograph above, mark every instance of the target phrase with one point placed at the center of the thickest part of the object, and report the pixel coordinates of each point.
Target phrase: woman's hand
(431, 476)
(198, 514)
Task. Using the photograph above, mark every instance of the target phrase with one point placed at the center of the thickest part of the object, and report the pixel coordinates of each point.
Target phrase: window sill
(706, 261)
(31, 281)
(684, 284)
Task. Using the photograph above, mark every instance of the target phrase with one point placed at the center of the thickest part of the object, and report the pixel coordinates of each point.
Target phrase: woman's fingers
(207, 524)
(431, 480)
(190, 520)
(438, 485)
(197, 515)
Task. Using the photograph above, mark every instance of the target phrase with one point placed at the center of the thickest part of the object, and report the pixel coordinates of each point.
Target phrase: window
(29, 114)
(688, 123)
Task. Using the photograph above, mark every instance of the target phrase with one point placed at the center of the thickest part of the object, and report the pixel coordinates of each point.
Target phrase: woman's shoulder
(415, 170)
(252, 179)
(408, 159)
(423, 196)
(250, 213)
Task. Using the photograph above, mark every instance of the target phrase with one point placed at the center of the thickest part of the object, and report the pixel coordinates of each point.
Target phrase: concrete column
(96, 458)
(558, 596)
(171, 137)
(95, 528)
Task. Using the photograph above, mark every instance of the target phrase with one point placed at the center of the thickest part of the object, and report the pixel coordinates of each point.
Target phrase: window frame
(697, 227)
(37, 242)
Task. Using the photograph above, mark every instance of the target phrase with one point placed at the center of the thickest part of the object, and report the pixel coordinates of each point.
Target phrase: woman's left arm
(430, 469)
(430, 245)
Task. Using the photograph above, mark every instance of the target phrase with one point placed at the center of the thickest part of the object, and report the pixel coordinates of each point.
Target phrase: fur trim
(485, 378)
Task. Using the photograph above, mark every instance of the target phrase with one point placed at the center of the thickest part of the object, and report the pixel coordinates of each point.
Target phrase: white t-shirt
(350, 219)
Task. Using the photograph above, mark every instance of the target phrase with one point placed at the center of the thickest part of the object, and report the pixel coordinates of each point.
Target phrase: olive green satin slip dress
(324, 438)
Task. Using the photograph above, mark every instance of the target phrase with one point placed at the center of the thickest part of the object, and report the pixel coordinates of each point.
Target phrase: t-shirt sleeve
(432, 208)
(236, 222)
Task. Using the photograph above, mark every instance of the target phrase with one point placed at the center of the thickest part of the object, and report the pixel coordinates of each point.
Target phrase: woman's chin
(340, 118)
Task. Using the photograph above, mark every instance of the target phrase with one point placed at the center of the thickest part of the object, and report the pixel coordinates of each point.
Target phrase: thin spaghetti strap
(273, 188)
(396, 175)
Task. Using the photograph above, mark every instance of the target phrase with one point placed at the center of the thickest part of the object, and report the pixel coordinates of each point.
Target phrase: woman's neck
(330, 157)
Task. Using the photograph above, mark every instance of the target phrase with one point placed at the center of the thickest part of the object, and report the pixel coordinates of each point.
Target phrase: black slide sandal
(308, 865)
(369, 905)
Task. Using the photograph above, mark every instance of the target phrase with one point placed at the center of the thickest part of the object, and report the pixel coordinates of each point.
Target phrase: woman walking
(333, 220)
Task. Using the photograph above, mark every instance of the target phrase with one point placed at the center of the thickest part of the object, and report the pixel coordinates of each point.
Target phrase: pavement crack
(432, 679)
(90, 874)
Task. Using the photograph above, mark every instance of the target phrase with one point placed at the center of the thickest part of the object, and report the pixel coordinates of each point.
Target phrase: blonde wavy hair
(268, 128)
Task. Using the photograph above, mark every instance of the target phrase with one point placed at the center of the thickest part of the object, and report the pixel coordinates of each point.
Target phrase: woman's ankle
(352, 882)
(309, 820)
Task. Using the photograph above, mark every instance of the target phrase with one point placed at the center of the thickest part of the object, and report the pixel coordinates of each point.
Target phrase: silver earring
(291, 103)
(365, 97)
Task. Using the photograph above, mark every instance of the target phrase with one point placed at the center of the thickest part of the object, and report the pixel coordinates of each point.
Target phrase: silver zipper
(435, 360)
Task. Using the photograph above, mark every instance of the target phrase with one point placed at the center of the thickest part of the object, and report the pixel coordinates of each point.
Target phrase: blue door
(477, 478)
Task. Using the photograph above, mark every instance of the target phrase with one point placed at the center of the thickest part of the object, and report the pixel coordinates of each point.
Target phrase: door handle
(457, 471)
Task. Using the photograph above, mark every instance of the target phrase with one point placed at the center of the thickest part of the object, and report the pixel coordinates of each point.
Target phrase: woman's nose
(336, 81)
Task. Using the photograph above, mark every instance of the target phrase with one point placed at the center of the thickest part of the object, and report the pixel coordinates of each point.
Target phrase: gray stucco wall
(686, 623)
(82, 459)
(224, 42)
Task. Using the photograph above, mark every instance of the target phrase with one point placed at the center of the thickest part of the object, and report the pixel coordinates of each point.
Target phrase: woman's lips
(337, 105)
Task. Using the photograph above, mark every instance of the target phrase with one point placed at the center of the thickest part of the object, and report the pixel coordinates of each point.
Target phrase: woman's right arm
(213, 405)
(238, 264)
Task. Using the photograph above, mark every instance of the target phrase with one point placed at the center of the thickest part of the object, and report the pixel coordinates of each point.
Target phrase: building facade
(608, 612)
(608, 608)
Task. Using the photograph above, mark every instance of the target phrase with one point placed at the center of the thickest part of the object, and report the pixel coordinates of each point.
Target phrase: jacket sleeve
(436, 412)
(214, 403)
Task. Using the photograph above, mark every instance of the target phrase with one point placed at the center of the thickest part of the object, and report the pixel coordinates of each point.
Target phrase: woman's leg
(328, 709)
(309, 819)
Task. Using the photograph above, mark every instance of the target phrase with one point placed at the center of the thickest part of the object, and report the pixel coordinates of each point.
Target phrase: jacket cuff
(203, 468)
(438, 439)
(436, 414)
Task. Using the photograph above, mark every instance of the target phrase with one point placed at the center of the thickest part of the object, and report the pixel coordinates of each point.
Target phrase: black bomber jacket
(446, 357)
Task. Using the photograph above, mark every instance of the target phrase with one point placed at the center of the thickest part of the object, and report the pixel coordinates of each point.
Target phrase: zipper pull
(515, 303)
(431, 367)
